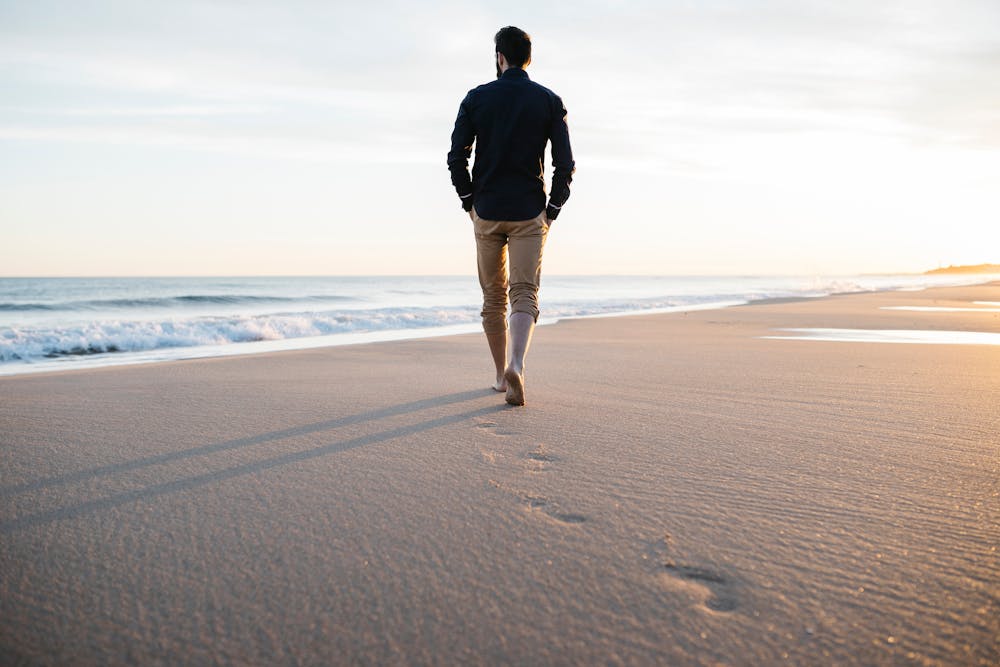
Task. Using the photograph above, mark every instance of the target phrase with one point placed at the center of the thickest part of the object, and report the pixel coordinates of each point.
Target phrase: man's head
(514, 45)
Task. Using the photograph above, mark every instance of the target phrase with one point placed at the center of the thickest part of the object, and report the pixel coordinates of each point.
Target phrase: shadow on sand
(156, 490)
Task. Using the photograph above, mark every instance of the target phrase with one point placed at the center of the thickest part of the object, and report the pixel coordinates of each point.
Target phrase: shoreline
(86, 362)
(678, 490)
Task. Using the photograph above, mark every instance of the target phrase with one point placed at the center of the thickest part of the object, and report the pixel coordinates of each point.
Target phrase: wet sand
(677, 490)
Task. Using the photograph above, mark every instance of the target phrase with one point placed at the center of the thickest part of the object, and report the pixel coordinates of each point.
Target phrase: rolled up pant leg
(526, 241)
(491, 256)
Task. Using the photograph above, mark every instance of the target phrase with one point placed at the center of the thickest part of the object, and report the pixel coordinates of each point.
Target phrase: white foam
(90, 338)
(927, 337)
(94, 322)
(226, 349)
(98, 338)
(714, 305)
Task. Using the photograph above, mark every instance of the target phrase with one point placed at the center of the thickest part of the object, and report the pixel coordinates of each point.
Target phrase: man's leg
(522, 325)
(526, 242)
(491, 256)
(498, 348)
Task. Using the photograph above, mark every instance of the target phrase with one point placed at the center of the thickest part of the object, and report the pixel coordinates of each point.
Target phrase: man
(510, 120)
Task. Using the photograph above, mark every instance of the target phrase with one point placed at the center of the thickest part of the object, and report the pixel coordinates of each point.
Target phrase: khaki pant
(523, 240)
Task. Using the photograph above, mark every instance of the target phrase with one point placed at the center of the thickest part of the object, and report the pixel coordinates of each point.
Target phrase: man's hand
(472, 216)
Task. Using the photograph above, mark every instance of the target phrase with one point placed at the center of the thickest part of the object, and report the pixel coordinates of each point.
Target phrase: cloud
(273, 146)
(169, 110)
(924, 70)
(636, 76)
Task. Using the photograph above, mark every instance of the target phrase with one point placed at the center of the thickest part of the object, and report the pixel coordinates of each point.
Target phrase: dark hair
(515, 45)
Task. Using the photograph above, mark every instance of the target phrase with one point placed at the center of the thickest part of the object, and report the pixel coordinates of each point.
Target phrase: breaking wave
(168, 302)
(62, 328)
(34, 343)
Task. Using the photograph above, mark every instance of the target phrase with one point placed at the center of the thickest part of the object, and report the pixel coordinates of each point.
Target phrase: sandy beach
(679, 490)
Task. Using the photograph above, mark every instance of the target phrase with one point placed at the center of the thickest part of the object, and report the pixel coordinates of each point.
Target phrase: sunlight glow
(829, 139)
(942, 309)
(891, 336)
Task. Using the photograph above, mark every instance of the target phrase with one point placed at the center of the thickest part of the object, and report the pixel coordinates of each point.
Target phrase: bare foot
(500, 384)
(515, 386)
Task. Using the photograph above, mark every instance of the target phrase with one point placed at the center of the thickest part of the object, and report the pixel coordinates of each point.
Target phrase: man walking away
(510, 121)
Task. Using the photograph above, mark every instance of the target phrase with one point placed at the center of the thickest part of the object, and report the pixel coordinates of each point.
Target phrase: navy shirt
(510, 120)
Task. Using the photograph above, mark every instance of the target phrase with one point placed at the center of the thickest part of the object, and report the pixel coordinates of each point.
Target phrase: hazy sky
(293, 137)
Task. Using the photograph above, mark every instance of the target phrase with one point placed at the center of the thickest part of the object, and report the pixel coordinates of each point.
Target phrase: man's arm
(462, 138)
(563, 166)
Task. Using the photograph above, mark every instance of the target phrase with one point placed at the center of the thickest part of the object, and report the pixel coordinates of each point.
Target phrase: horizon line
(468, 275)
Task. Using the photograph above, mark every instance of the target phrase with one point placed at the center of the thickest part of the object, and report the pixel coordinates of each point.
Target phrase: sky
(310, 138)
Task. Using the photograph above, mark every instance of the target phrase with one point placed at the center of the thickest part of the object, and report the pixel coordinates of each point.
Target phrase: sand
(678, 490)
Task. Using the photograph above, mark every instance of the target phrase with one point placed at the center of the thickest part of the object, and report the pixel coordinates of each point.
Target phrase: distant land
(971, 268)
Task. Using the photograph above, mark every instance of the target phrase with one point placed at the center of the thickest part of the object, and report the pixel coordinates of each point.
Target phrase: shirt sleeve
(563, 166)
(462, 138)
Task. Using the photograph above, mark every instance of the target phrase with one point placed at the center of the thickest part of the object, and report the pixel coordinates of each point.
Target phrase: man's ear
(501, 61)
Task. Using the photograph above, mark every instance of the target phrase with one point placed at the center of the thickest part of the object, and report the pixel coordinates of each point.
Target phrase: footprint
(710, 588)
(542, 504)
(534, 502)
(495, 429)
(697, 574)
(538, 460)
(552, 511)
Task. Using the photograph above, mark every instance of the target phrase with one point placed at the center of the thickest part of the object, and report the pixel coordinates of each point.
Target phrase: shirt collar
(514, 73)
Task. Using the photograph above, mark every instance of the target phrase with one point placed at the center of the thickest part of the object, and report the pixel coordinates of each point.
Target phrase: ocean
(63, 323)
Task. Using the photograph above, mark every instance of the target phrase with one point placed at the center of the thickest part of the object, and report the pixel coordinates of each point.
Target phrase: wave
(172, 302)
(103, 335)
(110, 336)
(35, 343)
(25, 307)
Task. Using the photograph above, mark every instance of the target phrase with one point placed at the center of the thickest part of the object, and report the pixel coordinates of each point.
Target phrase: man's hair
(515, 45)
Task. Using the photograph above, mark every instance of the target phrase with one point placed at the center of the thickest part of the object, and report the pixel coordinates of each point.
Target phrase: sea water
(61, 323)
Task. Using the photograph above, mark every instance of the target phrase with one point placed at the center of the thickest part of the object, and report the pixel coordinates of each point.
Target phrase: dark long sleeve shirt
(510, 120)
